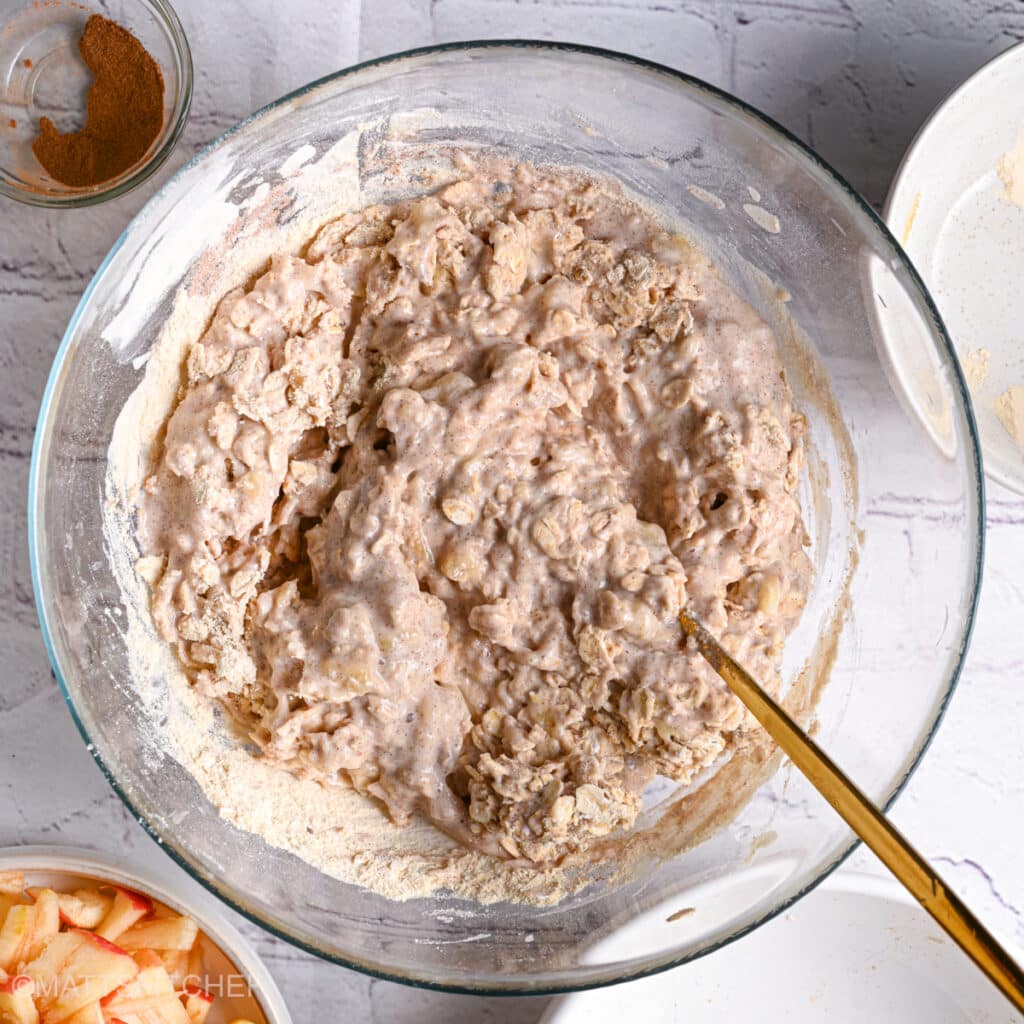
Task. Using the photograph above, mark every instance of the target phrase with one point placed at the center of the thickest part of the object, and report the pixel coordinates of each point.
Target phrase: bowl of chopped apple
(85, 939)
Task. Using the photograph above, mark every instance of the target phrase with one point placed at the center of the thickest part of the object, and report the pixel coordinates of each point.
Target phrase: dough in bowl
(434, 492)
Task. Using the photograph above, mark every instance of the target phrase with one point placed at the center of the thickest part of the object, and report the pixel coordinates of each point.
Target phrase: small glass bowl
(42, 74)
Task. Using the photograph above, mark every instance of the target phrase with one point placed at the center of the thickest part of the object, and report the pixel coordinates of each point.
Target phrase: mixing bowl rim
(495, 984)
(168, 138)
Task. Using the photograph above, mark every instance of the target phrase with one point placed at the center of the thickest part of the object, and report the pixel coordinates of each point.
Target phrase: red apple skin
(137, 899)
(166, 934)
(126, 909)
(98, 967)
(101, 942)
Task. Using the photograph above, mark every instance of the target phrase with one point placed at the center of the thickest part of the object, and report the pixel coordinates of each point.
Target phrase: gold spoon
(909, 867)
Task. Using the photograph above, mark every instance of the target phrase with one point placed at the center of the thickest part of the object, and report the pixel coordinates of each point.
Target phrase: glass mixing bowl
(903, 514)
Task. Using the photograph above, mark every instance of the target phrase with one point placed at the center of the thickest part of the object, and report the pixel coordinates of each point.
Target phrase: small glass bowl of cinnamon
(91, 101)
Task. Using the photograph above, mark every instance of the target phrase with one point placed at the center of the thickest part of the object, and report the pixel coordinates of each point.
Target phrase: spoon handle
(909, 867)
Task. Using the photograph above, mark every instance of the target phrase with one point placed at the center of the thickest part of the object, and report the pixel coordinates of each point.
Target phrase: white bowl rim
(859, 883)
(903, 183)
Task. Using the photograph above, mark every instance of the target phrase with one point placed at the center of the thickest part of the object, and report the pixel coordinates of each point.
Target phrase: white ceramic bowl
(857, 949)
(949, 209)
(235, 973)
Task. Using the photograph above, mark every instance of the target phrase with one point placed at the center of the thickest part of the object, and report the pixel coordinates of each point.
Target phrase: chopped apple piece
(16, 1003)
(46, 923)
(147, 958)
(12, 891)
(91, 1014)
(16, 936)
(48, 964)
(175, 962)
(194, 975)
(12, 882)
(77, 968)
(197, 1004)
(148, 998)
(27, 928)
(161, 933)
(85, 908)
(8, 900)
(127, 908)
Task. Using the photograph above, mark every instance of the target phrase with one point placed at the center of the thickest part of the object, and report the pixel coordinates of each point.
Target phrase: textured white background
(854, 78)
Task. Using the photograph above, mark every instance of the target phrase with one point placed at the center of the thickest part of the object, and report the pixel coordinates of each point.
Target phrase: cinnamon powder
(124, 110)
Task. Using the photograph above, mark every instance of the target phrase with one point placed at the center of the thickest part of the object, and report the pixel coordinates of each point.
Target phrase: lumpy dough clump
(434, 493)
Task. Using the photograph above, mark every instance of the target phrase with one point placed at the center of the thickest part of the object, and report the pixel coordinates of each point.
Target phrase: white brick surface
(855, 78)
